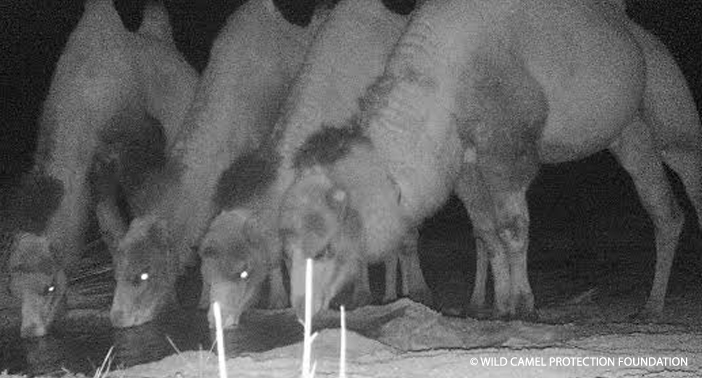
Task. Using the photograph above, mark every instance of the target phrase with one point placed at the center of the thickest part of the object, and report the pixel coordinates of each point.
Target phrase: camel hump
(100, 17)
(101, 6)
(620, 3)
(156, 23)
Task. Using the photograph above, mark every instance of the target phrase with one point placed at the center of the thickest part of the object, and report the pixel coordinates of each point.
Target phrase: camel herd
(332, 138)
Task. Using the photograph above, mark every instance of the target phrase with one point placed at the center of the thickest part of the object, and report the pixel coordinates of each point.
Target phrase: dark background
(33, 32)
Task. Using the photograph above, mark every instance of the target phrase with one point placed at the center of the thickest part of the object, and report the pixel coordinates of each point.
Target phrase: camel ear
(337, 199)
(396, 188)
(318, 170)
(158, 232)
(253, 233)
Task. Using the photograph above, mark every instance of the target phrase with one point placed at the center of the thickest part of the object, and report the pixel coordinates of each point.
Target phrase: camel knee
(669, 223)
(514, 232)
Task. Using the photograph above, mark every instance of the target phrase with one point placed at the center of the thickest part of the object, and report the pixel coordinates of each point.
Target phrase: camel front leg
(506, 178)
(512, 214)
(362, 295)
(391, 278)
(277, 297)
(474, 194)
(477, 298)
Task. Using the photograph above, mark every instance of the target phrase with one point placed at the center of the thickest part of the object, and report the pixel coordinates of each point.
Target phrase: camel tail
(156, 23)
(620, 3)
(100, 18)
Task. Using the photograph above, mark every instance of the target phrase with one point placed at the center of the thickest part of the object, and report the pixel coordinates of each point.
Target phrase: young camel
(252, 63)
(107, 80)
(347, 55)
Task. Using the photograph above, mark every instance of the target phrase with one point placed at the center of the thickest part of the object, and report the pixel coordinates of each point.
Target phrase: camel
(346, 56)
(670, 112)
(252, 61)
(475, 96)
(106, 79)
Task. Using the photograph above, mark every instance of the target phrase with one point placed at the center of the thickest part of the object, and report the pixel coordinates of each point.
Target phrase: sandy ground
(413, 341)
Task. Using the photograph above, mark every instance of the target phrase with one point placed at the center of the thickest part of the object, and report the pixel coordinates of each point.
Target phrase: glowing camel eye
(49, 289)
(138, 279)
(244, 275)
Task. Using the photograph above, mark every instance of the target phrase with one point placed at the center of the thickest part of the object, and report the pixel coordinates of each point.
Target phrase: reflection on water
(44, 355)
(80, 345)
(65, 349)
(260, 331)
(176, 331)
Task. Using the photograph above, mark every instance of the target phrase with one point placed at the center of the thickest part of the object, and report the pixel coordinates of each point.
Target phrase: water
(80, 345)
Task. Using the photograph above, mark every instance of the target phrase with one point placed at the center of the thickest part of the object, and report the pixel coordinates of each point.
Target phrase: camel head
(38, 279)
(145, 272)
(236, 260)
(318, 223)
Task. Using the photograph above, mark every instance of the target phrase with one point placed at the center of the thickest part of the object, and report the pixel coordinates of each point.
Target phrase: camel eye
(140, 278)
(244, 275)
(49, 289)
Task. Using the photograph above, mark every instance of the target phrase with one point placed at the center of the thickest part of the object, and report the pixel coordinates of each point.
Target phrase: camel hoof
(453, 311)
(479, 313)
(531, 316)
(645, 316)
(424, 297)
(501, 316)
(388, 299)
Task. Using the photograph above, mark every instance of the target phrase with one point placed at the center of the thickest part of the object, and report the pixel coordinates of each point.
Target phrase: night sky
(34, 32)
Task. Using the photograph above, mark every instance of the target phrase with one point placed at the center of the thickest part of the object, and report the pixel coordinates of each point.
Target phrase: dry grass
(102, 371)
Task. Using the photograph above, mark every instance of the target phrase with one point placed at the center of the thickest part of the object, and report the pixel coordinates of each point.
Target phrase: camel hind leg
(670, 109)
(687, 164)
(637, 154)
(678, 135)
(413, 284)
